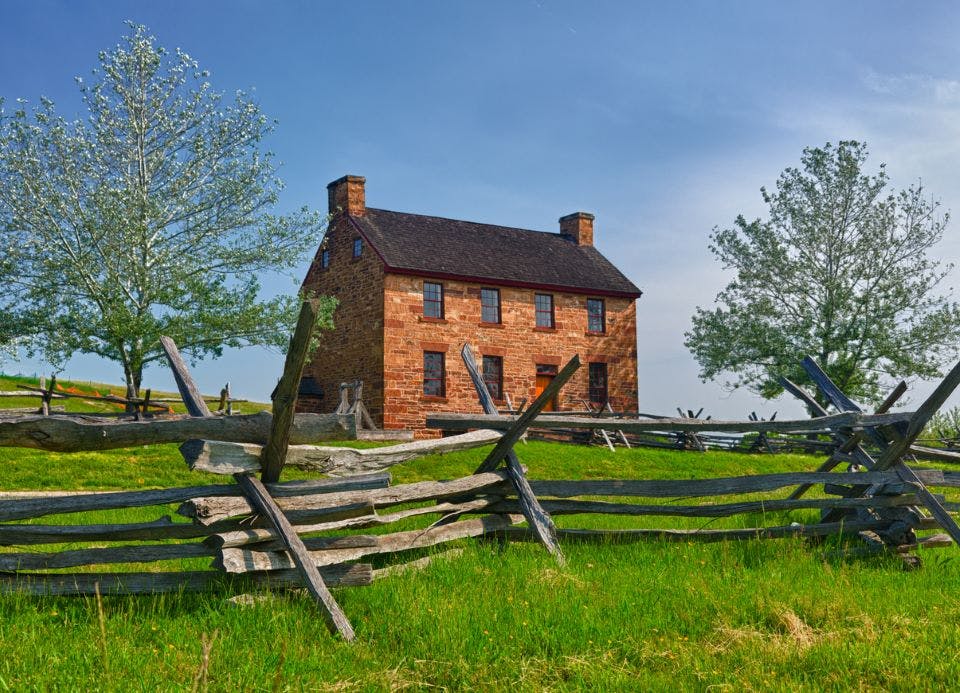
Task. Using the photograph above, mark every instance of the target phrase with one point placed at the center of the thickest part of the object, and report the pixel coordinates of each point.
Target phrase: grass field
(749, 615)
(79, 404)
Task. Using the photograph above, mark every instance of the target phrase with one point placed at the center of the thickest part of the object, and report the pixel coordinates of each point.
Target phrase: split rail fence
(263, 532)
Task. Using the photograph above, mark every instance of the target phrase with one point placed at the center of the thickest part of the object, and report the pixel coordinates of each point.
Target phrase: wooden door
(545, 375)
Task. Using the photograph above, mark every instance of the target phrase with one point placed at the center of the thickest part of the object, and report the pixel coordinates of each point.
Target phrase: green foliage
(148, 217)
(945, 424)
(840, 270)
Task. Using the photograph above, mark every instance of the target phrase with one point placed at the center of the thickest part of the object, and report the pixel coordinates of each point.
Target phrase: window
(490, 305)
(434, 380)
(357, 247)
(324, 258)
(598, 383)
(544, 309)
(596, 315)
(432, 300)
(493, 375)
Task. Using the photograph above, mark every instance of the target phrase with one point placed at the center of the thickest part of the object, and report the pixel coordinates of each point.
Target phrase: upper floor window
(598, 383)
(434, 376)
(357, 247)
(324, 258)
(432, 300)
(490, 305)
(493, 375)
(596, 315)
(544, 310)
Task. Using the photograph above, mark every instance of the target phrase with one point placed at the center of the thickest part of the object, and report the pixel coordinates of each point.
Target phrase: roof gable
(419, 244)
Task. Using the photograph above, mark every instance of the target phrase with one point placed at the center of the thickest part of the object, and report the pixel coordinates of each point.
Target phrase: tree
(151, 216)
(840, 270)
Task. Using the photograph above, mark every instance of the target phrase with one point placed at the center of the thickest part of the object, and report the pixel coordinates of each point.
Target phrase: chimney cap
(577, 215)
(346, 179)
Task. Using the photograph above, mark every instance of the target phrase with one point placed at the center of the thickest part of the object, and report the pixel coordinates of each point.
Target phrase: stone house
(414, 288)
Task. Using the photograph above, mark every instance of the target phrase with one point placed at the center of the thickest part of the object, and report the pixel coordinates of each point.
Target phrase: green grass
(80, 405)
(748, 615)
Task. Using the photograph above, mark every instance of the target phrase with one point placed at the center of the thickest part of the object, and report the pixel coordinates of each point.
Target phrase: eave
(496, 281)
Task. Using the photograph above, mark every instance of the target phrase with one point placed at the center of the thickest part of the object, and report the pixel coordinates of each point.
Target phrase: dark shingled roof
(417, 244)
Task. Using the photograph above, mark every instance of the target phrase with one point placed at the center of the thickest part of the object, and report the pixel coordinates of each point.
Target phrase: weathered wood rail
(823, 424)
(82, 433)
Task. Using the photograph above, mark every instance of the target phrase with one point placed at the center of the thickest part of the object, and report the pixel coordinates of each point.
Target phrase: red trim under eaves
(511, 282)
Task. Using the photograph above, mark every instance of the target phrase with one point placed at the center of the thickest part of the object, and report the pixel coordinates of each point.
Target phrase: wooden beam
(833, 393)
(189, 391)
(25, 508)
(242, 560)
(140, 553)
(114, 399)
(259, 535)
(214, 509)
(50, 584)
(332, 614)
(719, 486)
(578, 507)
(540, 522)
(32, 392)
(162, 528)
(825, 424)
(629, 536)
(935, 454)
(285, 394)
(220, 457)
(81, 433)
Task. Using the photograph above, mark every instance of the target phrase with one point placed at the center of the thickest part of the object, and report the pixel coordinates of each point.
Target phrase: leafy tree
(150, 216)
(840, 270)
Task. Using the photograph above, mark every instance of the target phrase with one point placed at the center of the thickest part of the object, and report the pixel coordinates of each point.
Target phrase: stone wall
(407, 334)
(354, 349)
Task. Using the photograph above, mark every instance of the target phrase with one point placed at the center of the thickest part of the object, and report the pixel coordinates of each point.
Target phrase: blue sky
(663, 119)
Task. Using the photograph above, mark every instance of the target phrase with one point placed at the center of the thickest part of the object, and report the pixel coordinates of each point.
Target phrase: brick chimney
(578, 227)
(347, 194)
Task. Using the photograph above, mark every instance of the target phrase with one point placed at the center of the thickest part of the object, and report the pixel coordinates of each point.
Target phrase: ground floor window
(434, 374)
(598, 383)
(493, 375)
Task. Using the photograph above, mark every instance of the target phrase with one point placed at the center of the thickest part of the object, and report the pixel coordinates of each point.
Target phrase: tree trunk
(133, 377)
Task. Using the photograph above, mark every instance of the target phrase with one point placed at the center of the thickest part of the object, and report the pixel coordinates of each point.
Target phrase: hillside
(80, 405)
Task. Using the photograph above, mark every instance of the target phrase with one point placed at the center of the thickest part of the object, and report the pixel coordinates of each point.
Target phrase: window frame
(357, 247)
(496, 307)
(325, 258)
(498, 382)
(602, 316)
(537, 312)
(439, 302)
(592, 388)
(442, 380)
